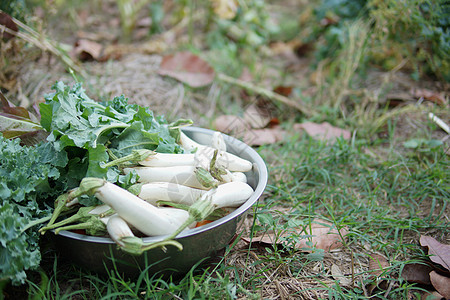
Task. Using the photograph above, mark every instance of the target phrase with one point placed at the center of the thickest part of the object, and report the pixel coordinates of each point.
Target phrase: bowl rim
(260, 187)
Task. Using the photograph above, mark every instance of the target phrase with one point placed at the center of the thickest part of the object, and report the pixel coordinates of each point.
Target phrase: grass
(384, 193)
(385, 202)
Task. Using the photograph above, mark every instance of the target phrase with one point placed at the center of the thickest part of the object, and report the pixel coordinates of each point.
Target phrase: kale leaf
(76, 121)
(27, 177)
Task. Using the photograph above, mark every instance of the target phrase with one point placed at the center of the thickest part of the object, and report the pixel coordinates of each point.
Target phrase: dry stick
(299, 105)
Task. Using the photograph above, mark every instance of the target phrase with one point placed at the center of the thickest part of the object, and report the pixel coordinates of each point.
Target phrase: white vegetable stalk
(121, 233)
(168, 160)
(232, 194)
(224, 159)
(238, 176)
(184, 175)
(189, 144)
(118, 229)
(167, 191)
(218, 142)
(234, 176)
(137, 212)
(177, 213)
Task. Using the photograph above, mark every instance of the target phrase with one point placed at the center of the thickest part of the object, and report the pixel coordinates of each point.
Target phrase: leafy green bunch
(76, 138)
(93, 133)
(26, 177)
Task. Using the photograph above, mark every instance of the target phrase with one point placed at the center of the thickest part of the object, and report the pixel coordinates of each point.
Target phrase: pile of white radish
(201, 181)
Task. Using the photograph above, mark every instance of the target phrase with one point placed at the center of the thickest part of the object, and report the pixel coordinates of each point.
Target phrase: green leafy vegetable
(27, 176)
(76, 121)
(75, 138)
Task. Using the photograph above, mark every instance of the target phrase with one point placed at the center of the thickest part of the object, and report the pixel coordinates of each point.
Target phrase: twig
(439, 122)
(299, 105)
(364, 288)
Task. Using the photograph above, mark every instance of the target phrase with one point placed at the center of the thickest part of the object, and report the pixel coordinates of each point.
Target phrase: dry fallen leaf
(231, 124)
(441, 284)
(87, 50)
(8, 22)
(257, 116)
(324, 131)
(377, 265)
(435, 97)
(320, 233)
(187, 68)
(283, 90)
(439, 253)
(338, 275)
(426, 295)
(417, 273)
(258, 137)
(239, 128)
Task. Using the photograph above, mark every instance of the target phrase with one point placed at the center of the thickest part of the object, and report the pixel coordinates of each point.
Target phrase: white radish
(177, 213)
(218, 142)
(168, 160)
(118, 228)
(234, 176)
(167, 191)
(184, 175)
(231, 194)
(189, 144)
(225, 159)
(142, 215)
(238, 176)
(100, 209)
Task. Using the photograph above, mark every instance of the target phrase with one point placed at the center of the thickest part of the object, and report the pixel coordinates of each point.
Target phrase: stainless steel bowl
(199, 244)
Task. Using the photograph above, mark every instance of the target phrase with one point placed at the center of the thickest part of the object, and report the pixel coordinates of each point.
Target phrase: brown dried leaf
(303, 49)
(283, 90)
(231, 124)
(257, 116)
(377, 265)
(435, 97)
(258, 137)
(8, 22)
(323, 131)
(439, 253)
(240, 129)
(338, 275)
(426, 295)
(322, 234)
(441, 284)
(87, 50)
(417, 273)
(187, 68)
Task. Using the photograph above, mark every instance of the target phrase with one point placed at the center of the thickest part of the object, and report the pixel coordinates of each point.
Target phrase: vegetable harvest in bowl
(199, 243)
(192, 186)
(139, 188)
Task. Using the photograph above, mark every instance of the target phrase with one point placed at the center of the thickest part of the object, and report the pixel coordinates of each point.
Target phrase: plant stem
(298, 104)
(137, 155)
(35, 222)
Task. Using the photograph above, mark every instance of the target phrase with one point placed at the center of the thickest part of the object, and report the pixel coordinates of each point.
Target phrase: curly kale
(26, 182)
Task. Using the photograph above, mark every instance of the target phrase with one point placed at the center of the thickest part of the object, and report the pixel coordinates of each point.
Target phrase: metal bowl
(199, 244)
